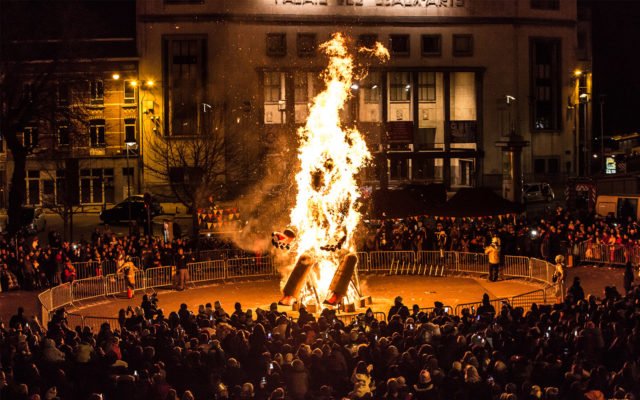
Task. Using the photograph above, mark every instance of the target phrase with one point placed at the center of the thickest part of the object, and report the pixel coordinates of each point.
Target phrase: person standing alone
(182, 271)
(493, 251)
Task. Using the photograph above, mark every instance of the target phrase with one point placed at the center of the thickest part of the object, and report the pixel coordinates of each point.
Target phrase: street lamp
(129, 143)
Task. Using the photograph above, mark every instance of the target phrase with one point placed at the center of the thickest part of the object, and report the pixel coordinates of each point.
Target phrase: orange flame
(330, 157)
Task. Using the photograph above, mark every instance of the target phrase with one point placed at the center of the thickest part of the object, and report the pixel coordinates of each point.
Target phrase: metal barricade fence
(475, 263)
(109, 267)
(88, 288)
(541, 270)
(87, 269)
(516, 266)
(116, 283)
(158, 277)
(46, 300)
(363, 261)
(435, 263)
(61, 296)
(473, 307)
(525, 300)
(593, 252)
(206, 271)
(249, 267)
(382, 261)
(428, 310)
(74, 320)
(95, 323)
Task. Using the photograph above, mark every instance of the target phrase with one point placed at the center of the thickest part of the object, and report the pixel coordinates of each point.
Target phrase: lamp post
(129, 143)
(584, 99)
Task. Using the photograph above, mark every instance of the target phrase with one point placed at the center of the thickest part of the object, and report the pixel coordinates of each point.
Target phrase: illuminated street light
(115, 76)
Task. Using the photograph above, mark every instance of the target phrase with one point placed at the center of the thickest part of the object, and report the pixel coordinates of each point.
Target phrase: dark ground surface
(415, 290)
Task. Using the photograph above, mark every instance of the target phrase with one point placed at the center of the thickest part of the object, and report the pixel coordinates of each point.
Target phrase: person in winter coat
(128, 269)
(628, 276)
(50, 352)
(424, 389)
(493, 251)
(559, 278)
(298, 380)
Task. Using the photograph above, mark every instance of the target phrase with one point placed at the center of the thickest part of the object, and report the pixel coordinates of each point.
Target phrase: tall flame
(330, 157)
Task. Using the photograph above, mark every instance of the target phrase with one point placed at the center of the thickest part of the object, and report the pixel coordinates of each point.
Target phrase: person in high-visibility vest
(129, 271)
(493, 251)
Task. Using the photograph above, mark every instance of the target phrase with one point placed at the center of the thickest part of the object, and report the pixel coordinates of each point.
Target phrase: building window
(301, 87)
(63, 94)
(545, 82)
(431, 45)
(63, 134)
(427, 87)
(539, 165)
(96, 186)
(129, 130)
(399, 45)
(306, 44)
(367, 40)
(462, 45)
(96, 91)
(129, 92)
(62, 195)
(127, 171)
(33, 187)
(276, 44)
(96, 132)
(272, 86)
(30, 137)
(545, 4)
(399, 86)
(185, 68)
(371, 89)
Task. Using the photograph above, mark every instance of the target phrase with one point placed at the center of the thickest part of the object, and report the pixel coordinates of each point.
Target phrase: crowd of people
(26, 264)
(582, 348)
(558, 231)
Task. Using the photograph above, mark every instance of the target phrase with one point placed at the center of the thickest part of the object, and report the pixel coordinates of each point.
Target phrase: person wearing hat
(128, 269)
(493, 251)
(424, 389)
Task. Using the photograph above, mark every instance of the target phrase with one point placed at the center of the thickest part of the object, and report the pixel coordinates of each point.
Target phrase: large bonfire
(325, 215)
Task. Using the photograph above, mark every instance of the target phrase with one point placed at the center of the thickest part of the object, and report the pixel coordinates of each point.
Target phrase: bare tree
(194, 167)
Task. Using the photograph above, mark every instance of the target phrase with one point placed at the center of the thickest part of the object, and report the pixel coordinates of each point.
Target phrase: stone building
(463, 74)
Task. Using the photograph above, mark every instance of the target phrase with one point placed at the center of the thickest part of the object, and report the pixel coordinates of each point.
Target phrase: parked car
(532, 192)
(120, 211)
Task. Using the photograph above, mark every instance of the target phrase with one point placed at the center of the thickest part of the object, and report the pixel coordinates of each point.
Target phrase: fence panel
(74, 320)
(249, 267)
(525, 300)
(116, 283)
(436, 263)
(516, 266)
(109, 267)
(87, 269)
(206, 271)
(382, 261)
(473, 307)
(61, 296)
(475, 263)
(158, 277)
(96, 322)
(363, 261)
(593, 252)
(88, 288)
(46, 300)
(541, 270)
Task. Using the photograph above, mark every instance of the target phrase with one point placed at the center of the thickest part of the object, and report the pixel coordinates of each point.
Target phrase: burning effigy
(320, 236)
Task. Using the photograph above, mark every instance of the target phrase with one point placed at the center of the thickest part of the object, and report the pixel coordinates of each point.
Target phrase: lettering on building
(378, 3)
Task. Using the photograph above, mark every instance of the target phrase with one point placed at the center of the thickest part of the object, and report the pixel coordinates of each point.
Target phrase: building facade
(462, 74)
(72, 98)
